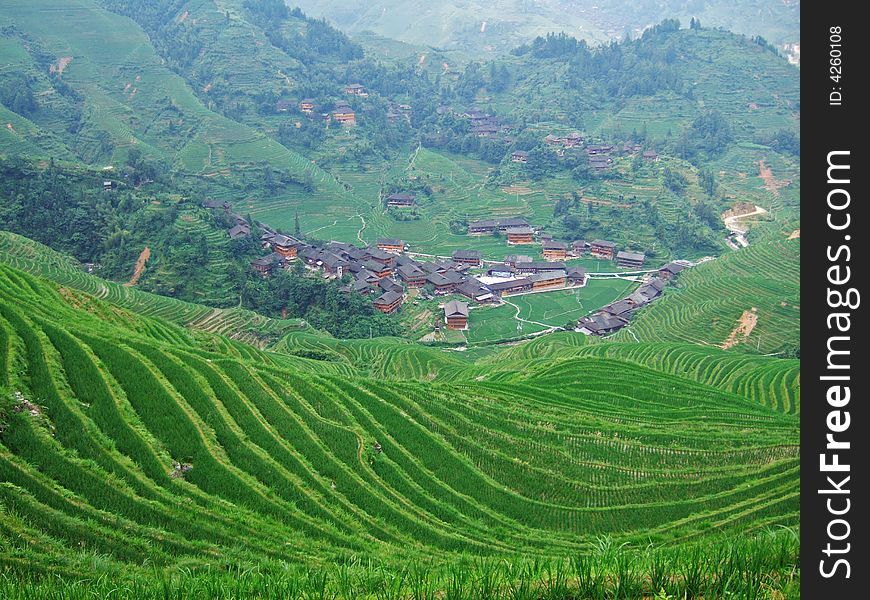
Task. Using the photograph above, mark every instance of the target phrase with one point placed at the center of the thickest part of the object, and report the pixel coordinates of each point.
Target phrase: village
(389, 273)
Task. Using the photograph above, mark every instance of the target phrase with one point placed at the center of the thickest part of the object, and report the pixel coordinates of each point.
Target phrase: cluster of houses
(401, 200)
(240, 227)
(616, 315)
(519, 232)
(485, 125)
(386, 272)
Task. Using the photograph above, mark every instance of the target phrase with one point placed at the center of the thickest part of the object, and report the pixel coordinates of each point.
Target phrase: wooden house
(380, 269)
(578, 247)
(520, 235)
(389, 302)
(355, 89)
(520, 156)
(670, 270)
(307, 106)
(344, 114)
(468, 257)
(576, 275)
(475, 290)
(456, 315)
(548, 280)
(514, 286)
(401, 200)
(412, 275)
(554, 251)
(539, 267)
(603, 249)
(285, 245)
(391, 245)
(631, 260)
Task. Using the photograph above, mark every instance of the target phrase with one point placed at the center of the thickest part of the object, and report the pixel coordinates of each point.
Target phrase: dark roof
(401, 196)
(620, 307)
(268, 260)
(388, 298)
(453, 276)
(485, 223)
(239, 231)
(437, 279)
(602, 322)
(410, 271)
(508, 285)
(517, 258)
(375, 267)
(551, 245)
(390, 242)
(388, 284)
(547, 275)
(576, 272)
(332, 261)
(279, 239)
(673, 268)
(630, 255)
(604, 243)
(578, 244)
(521, 153)
(520, 230)
(360, 285)
(657, 284)
(512, 222)
(466, 254)
(541, 266)
(472, 288)
(375, 252)
(455, 308)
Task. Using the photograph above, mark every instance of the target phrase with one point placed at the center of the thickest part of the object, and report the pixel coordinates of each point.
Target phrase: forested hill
(487, 28)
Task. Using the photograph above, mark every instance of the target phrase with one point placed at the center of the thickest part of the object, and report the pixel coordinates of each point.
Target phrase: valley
(399, 301)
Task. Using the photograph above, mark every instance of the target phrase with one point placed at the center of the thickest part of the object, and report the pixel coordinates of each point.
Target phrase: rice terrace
(399, 301)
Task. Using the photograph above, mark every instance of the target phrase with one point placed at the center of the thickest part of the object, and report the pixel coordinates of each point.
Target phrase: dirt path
(140, 267)
(771, 184)
(747, 322)
(359, 233)
(731, 219)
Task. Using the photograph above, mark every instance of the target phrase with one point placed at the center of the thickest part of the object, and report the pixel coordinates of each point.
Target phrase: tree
(296, 228)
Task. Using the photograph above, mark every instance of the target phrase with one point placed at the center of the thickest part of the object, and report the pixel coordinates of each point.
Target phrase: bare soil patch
(61, 64)
(140, 266)
(745, 324)
(771, 184)
(794, 234)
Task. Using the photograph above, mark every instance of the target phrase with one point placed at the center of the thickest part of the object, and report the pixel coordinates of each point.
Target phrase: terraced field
(236, 323)
(713, 297)
(283, 462)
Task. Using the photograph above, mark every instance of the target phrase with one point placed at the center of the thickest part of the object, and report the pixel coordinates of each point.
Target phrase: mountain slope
(458, 24)
(540, 465)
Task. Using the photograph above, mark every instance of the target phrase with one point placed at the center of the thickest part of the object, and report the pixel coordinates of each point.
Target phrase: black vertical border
(826, 128)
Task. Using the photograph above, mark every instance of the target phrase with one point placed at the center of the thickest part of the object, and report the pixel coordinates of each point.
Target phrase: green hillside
(277, 451)
(761, 283)
(457, 24)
